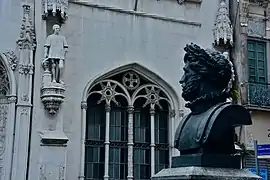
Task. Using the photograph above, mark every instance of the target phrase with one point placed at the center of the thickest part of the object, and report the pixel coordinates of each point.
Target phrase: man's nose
(182, 79)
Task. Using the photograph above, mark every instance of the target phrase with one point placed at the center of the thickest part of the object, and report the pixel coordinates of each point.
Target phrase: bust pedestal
(204, 173)
(206, 167)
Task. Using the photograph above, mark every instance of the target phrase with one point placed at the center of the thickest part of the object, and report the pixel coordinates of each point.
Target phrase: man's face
(190, 82)
(57, 30)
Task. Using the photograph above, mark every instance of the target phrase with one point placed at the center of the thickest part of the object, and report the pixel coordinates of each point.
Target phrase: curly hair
(211, 65)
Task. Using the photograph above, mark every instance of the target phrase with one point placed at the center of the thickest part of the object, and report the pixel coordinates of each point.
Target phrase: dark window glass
(118, 143)
(94, 144)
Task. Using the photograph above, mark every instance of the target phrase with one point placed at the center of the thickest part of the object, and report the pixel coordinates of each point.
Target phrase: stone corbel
(54, 8)
(52, 96)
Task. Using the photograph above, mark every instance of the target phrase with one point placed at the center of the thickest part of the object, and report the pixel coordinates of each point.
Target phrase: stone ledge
(137, 13)
(204, 173)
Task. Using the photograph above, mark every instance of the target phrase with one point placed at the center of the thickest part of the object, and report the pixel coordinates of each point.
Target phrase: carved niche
(52, 91)
(55, 7)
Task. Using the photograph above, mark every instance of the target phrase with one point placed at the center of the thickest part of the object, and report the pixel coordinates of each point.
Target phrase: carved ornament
(52, 97)
(4, 81)
(55, 7)
(12, 59)
(223, 31)
(27, 39)
(26, 69)
(262, 3)
(131, 80)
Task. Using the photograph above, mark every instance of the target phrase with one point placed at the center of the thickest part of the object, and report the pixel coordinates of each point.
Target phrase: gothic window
(127, 131)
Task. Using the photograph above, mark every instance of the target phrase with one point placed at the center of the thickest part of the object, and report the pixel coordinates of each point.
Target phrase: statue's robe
(211, 132)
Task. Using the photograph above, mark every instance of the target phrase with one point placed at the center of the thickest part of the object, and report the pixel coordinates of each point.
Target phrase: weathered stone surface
(205, 173)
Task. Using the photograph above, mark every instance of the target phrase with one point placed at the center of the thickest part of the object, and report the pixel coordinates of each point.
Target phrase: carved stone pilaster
(54, 8)
(27, 39)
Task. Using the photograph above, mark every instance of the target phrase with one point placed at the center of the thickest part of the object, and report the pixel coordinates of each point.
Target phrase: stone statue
(207, 84)
(54, 56)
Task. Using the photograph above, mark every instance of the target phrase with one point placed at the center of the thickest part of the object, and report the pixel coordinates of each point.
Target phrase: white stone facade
(142, 39)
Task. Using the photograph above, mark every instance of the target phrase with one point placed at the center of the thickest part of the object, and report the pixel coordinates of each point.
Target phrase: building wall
(251, 23)
(103, 35)
(260, 128)
(10, 19)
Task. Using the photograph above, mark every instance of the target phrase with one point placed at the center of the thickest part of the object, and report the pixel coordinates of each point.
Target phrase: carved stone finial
(27, 39)
(54, 8)
(223, 31)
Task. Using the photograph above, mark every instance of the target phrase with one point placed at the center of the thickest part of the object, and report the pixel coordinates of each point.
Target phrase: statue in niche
(54, 56)
(210, 127)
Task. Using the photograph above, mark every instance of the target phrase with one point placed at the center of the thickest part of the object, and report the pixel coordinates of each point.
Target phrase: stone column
(171, 134)
(152, 145)
(107, 142)
(130, 142)
(83, 134)
(26, 45)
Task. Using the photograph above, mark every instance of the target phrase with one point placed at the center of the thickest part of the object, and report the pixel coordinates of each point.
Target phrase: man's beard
(191, 88)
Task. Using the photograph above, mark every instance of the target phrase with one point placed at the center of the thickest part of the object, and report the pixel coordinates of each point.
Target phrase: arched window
(127, 128)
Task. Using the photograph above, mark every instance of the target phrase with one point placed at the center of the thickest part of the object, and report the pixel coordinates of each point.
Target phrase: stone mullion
(171, 135)
(83, 136)
(152, 144)
(130, 142)
(107, 142)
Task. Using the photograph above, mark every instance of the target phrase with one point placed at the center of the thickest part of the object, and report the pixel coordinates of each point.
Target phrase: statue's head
(56, 29)
(208, 75)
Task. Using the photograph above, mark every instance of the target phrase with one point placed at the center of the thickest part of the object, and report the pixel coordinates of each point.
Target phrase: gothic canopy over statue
(207, 83)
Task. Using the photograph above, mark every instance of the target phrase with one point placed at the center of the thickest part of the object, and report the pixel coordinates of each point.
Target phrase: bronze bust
(207, 84)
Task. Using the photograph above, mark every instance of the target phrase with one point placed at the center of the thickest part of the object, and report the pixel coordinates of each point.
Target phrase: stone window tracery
(127, 134)
(4, 82)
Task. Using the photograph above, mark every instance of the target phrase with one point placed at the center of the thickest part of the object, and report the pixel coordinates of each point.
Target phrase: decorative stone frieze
(223, 31)
(26, 69)
(55, 7)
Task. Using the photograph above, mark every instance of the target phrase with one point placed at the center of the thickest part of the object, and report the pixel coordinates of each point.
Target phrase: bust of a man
(206, 86)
